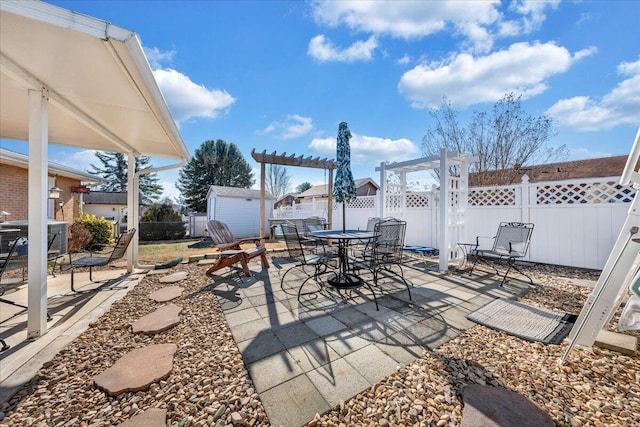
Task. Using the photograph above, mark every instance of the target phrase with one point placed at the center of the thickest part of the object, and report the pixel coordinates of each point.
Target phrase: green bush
(161, 212)
(100, 228)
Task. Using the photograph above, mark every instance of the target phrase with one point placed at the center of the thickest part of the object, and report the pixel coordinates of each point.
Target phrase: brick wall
(14, 195)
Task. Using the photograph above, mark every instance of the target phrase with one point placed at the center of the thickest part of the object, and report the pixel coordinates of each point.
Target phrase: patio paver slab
(294, 402)
(337, 380)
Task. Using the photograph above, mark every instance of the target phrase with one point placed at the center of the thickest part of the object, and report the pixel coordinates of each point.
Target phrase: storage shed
(239, 208)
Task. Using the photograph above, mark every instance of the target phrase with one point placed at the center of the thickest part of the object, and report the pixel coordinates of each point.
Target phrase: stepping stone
(166, 294)
(163, 318)
(208, 261)
(138, 369)
(153, 417)
(496, 406)
(175, 277)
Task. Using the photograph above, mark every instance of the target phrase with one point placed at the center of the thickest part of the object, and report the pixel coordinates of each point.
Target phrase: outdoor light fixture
(54, 193)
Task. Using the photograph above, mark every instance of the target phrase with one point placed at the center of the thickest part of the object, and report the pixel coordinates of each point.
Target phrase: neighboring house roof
(243, 193)
(293, 195)
(106, 198)
(575, 169)
(13, 158)
(321, 190)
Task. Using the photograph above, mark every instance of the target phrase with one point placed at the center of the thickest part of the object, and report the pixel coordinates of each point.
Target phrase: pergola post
(262, 200)
(444, 210)
(383, 189)
(38, 196)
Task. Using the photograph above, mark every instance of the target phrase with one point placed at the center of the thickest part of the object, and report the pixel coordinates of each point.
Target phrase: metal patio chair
(385, 250)
(118, 251)
(510, 244)
(306, 253)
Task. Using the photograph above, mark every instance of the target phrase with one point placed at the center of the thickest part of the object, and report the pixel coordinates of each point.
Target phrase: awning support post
(38, 196)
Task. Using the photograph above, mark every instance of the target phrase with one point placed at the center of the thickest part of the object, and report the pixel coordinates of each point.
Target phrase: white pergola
(74, 80)
(453, 194)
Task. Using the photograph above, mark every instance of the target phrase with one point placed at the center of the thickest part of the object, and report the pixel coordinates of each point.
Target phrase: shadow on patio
(307, 356)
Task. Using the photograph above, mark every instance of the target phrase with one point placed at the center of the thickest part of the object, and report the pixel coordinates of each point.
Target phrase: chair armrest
(226, 246)
(256, 240)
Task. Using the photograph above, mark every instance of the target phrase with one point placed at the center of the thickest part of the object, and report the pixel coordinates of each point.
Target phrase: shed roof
(242, 193)
(8, 157)
(321, 190)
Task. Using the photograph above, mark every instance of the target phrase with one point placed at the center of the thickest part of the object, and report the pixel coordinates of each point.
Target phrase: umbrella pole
(343, 217)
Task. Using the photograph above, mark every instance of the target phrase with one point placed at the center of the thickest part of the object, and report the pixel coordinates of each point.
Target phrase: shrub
(100, 228)
(160, 212)
(79, 237)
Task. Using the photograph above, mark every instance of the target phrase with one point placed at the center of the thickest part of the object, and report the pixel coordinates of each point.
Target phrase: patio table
(343, 278)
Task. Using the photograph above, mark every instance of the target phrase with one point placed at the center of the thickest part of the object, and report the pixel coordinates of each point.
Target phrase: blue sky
(280, 75)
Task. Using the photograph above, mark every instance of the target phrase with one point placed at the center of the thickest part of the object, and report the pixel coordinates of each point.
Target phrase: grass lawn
(163, 252)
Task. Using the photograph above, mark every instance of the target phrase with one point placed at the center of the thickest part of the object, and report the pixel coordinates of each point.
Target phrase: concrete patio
(71, 313)
(306, 357)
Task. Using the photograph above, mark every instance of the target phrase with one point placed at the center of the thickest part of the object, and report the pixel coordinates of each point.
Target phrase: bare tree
(505, 139)
(278, 180)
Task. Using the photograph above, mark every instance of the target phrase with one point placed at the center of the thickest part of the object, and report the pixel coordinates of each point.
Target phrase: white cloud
(156, 57)
(323, 50)
(406, 59)
(187, 99)
(522, 68)
(368, 149)
(295, 126)
(620, 106)
(76, 159)
(581, 153)
(478, 23)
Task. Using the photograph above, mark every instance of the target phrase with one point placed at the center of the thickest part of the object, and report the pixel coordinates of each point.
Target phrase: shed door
(211, 208)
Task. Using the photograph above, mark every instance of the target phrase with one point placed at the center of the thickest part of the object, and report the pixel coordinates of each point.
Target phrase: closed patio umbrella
(345, 187)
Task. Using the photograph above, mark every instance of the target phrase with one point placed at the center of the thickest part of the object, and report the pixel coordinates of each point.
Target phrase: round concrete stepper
(138, 369)
(166, 294)
(498, 406)
(175, 277)
(160, 320)
(152, 417)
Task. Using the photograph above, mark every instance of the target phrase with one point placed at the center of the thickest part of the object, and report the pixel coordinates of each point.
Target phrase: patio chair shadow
(56, 305)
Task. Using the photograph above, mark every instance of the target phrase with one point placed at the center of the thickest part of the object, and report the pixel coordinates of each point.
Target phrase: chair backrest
(219, 232)
(292, 239)
(371, 223)
(4, 263)
(122, 244)
(389, 240)
(513, 239)
(313, 224)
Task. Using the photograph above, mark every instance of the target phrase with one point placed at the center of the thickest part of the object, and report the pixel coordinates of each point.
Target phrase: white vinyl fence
(576, 223)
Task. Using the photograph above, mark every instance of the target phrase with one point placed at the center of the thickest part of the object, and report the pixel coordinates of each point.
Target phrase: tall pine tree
(214, 163)
(113, 169)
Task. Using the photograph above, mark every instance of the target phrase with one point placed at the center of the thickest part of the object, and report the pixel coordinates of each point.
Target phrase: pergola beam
(291, 160)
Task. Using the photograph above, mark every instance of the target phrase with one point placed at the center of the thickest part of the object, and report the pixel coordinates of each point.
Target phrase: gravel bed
(209, 385)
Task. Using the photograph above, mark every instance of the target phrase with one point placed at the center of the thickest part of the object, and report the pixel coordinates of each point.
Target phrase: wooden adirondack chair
(230, 251)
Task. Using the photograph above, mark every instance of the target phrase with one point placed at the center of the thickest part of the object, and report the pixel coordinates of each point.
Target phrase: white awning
(101, 88)
(74, 80)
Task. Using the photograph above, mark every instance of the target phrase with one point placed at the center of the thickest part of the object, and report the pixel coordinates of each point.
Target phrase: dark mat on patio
(524, 321)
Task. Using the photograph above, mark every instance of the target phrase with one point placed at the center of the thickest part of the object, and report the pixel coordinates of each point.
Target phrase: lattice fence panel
(365, 202)
(499, 196)
(574, 193)
(393, 202)
(417, 200)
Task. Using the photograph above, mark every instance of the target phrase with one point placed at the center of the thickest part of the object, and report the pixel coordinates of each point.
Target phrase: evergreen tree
(303, 187)
(214, 163)
(115, 173)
